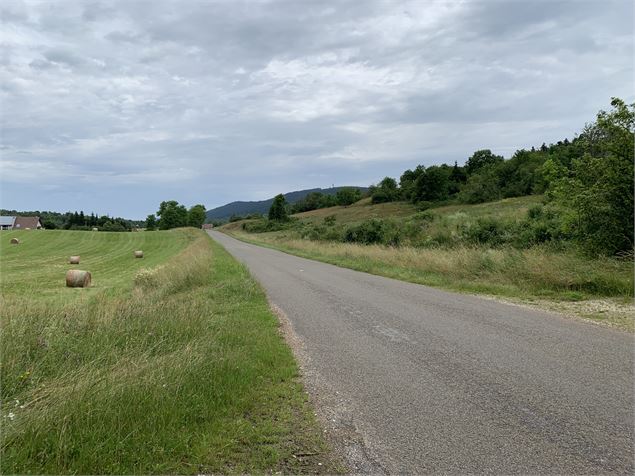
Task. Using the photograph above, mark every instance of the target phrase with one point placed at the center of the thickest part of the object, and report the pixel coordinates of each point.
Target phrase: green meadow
(168, 364)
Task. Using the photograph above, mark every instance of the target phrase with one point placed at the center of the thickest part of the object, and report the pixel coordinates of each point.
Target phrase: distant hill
(262, 206)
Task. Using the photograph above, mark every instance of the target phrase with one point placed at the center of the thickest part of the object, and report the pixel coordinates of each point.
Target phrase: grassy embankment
(168, 364)
(556, 279)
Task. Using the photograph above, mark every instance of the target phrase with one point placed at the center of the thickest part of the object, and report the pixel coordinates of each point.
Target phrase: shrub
(424, 216)
(330, 220)
(535, 212)
(374, 231)
(264, 225)
(487, 231)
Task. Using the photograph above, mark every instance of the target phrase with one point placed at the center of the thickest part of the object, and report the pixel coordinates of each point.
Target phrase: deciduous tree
(278, 210)
(196, 216)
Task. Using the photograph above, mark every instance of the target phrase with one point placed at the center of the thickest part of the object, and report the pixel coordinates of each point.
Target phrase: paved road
(437, 382)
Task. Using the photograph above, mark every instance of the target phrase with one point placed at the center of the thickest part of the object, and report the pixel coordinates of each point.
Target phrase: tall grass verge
(179, 369)
(528, 274)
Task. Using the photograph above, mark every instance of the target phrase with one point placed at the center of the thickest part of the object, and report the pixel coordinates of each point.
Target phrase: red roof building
(24, 223)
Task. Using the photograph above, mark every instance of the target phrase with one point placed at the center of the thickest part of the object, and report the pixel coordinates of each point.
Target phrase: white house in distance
(20, 223)
(6, 223)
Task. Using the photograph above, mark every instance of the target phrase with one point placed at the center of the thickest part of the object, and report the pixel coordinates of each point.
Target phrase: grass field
(559, 279)
(170, 364)
(359, 211)
(364, 209)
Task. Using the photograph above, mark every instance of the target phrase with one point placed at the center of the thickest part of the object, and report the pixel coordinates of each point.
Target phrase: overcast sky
(113, 107)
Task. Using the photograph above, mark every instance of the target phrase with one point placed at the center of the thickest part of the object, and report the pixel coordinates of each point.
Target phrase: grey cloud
(58, 55)
(137, 102)
(124, 37)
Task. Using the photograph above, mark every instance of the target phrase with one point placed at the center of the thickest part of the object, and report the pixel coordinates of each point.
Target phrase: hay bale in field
(76, 278)
(15, 241)
(95, 229)
(138, 254)
(74, 260)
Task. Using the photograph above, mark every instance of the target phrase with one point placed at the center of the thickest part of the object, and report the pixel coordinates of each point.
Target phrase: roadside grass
(170, 364)
(557, 279)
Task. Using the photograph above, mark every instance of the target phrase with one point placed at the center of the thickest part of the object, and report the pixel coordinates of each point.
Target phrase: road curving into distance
(412, 379)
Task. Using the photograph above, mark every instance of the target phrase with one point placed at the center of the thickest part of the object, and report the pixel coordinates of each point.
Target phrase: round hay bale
(74, 260)
(76, 278)
(138, 254)
(95, 229)
(15, 241)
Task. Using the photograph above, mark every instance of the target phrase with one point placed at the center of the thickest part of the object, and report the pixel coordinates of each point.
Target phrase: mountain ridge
(239, 207)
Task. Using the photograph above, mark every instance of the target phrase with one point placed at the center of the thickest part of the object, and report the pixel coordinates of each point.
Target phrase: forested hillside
(588, 182)
(241, 209)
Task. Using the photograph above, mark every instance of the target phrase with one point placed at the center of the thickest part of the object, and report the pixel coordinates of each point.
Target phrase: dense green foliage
(596, 189)
(151, 222)
(588, 181)
(385, 191)
(481, 158)
(174, 215)
(262, 225)
(278, 210)
(171, 215)
(428, 229)
(315, 200)
(77, 220)
(347, 196)
(235, 218)
(196, 216)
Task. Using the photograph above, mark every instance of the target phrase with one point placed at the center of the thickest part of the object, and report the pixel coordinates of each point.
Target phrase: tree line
(171, 214)
(315, 200)
(587, 183)
(78, 220)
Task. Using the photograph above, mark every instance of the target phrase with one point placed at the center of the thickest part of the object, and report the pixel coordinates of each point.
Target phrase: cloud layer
(115, 106)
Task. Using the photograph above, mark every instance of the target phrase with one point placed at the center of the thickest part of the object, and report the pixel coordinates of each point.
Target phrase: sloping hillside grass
(364, 209)
(359, 211)
(169, 364)
(436, 252)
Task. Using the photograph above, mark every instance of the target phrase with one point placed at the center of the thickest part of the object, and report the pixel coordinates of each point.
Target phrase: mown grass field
(169, 364)
(559, 279)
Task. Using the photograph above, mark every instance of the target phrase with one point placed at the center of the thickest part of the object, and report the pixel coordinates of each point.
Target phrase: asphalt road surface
(417, 380)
